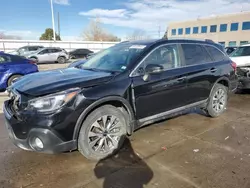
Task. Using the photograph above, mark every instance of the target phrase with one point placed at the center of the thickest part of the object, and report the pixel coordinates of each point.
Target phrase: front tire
(102, 133)
(217, 101)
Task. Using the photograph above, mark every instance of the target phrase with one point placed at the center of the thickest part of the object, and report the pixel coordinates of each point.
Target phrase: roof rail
(209, 40)
(205, 40)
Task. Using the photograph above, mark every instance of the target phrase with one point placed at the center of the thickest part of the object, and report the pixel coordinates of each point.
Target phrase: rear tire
(217, 101)
(12, 79)
(102, 133)
(61, 60)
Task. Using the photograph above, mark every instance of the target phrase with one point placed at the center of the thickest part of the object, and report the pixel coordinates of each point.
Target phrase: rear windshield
(241, 51)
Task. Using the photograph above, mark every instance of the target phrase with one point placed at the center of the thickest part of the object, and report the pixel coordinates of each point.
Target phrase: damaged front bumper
(243, 77)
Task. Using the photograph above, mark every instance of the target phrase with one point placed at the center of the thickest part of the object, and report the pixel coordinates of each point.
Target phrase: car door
(201, 72)
(54, 54)
(43, 56)
(157, 92)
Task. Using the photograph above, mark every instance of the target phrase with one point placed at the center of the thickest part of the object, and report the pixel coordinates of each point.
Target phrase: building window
(188, 30)
(223, 27)
(213, 28)
(243, 42)
(234, 26)
(180, 31)
(204, 29)
(222, 43)
(173, 31)
(246, 26)
(232, 43)
(195, 30)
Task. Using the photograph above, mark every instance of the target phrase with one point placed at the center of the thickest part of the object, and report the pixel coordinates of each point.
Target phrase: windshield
(114, 59)
(241, 51)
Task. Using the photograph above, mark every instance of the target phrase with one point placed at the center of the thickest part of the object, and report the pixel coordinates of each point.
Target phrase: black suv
(92, 108)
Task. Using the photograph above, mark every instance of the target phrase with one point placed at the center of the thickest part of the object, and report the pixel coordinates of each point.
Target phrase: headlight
(52, 102)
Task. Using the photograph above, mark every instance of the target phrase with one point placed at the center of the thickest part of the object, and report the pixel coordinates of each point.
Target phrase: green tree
(48, 35)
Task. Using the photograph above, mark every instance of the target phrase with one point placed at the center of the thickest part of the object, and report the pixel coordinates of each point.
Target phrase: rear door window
(216, 54)
(195, 54)
(46, 51)
(55, 50)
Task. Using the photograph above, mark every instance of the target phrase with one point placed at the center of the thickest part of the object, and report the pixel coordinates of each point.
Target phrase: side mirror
(153, 68)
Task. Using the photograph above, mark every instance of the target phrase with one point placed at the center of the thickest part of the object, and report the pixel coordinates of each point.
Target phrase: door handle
(181, 79)
(213, 70)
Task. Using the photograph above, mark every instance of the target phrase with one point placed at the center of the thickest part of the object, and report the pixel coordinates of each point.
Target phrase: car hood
(48, 82)
(241, 61)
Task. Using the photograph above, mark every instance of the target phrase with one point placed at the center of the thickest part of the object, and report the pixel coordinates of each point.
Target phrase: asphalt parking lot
(186, 151)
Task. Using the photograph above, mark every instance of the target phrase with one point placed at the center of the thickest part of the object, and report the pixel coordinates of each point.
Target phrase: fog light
(38, 143)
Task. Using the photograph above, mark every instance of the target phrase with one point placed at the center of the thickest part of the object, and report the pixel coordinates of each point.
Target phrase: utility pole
(53, 21)
(159, 31)
(59, 24)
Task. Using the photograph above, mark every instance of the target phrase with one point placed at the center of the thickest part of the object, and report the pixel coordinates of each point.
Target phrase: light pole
(53, 21)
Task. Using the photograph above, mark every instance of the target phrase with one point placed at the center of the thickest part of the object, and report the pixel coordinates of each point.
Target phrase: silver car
(25, 50)
(48, 55)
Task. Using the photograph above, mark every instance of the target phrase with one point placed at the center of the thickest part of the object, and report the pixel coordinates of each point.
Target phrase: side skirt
(164, 115)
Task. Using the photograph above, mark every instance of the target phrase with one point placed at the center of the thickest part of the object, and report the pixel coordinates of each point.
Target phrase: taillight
(32, 62)
(234, 65)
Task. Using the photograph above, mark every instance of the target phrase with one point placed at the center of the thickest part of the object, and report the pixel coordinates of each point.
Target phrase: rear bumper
(52, 143)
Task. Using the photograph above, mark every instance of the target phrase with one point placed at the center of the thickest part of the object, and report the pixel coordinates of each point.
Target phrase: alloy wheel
(104, 134)
(219, 100)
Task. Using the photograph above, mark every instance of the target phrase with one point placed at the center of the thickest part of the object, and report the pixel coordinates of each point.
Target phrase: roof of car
(172, 40)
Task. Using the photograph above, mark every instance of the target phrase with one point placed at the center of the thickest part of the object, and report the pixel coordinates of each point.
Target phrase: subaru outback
(92, 108)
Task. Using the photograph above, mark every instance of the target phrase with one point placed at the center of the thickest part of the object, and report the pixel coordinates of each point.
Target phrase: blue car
(12, 67)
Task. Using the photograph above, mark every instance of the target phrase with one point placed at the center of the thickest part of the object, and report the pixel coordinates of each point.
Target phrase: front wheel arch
(116, 101)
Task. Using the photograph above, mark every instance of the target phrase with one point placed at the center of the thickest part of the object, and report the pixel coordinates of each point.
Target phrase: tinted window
(213, 28)
(232, 43)
(204, 29)
(180, 31)
(234, 26)
(223, 27)
(4, 59)
(215, 53)
(188, 31)
(166, 56)
(173, 31)
(241, 51)
(195, 30)
(33, 48)
(44, 51)
(54, 50)
(195, 54)
(246, 26)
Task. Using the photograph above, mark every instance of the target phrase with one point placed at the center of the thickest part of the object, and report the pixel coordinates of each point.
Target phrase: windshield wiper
(99, 70)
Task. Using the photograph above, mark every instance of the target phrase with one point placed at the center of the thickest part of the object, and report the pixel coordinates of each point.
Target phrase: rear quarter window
(216, 54)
